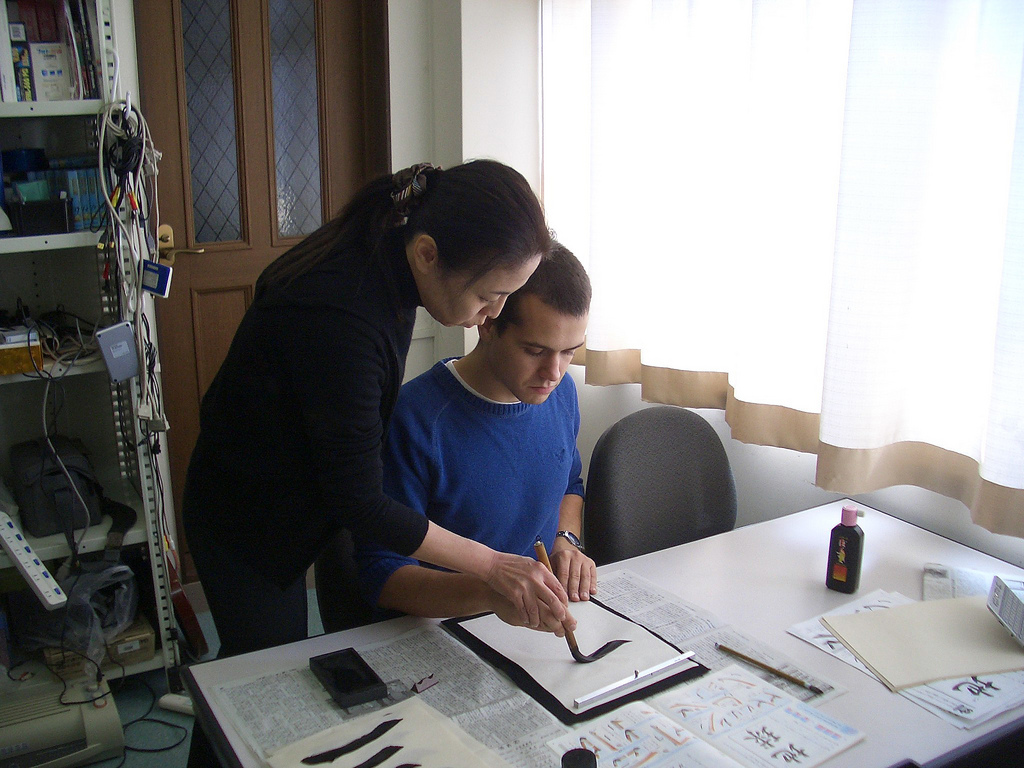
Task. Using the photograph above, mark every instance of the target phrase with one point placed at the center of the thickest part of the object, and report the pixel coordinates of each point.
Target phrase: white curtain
(810, 213)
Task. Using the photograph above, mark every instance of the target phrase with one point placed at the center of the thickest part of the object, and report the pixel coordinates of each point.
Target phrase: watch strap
(571, 537)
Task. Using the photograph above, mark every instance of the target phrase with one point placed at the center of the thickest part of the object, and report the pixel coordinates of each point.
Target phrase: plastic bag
(102, 601)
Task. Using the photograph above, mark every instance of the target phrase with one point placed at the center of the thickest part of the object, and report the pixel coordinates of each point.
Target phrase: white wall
(490, 57)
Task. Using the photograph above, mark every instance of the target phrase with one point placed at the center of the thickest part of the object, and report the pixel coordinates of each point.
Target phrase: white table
(761, 579)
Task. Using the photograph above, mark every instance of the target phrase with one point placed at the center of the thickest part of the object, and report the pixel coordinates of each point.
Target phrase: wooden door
(269, 115)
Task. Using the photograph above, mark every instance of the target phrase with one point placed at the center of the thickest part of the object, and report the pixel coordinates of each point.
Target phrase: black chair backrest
(658, 477)
(337, 586)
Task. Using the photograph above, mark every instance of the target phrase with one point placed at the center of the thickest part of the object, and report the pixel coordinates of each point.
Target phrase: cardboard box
(133, 646)
(17, 356)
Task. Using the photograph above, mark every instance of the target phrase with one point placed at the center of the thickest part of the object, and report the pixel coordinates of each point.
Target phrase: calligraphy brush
(570, 638)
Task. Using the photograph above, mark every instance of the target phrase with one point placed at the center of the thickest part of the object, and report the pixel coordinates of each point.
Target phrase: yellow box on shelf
(17, 357)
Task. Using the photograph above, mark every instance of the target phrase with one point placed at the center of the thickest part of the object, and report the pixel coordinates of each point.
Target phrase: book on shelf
(8, 88)
(22, 57)
(55, 50)
(27, 16)
(74, 180)
(83, 38)
(51, 73)
(46, 21)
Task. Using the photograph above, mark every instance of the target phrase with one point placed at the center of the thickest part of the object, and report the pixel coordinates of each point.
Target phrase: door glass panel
(296, 116)
(210, 101)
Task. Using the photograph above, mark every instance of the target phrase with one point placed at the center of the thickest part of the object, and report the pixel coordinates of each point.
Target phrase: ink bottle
(579, 758)
(844, 553)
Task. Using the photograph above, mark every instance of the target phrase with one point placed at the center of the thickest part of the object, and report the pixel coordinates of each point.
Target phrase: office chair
(658, 477)
(337, 591)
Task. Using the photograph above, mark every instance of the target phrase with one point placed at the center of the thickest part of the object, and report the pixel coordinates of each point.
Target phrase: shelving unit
(68, 271)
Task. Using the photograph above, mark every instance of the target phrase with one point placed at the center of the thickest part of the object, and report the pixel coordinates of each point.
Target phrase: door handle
(165, 246)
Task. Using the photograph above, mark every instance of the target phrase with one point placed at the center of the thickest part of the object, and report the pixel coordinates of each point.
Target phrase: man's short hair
(560, 281)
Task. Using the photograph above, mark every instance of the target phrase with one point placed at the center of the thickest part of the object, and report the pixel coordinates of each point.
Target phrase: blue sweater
(495, 473)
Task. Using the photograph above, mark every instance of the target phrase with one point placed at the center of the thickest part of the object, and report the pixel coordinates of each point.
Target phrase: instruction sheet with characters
(724, 719)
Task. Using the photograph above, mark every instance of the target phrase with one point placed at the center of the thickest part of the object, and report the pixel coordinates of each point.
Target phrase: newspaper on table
(941, 582)
(965, 702)
(726, 719)
(276, 709)
(694, 629)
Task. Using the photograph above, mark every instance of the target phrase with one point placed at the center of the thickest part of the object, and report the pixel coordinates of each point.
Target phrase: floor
(155, 737)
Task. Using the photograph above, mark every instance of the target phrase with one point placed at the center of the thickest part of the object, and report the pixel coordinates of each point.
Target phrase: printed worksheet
(638, 735)
(754, 722)
(967, 702)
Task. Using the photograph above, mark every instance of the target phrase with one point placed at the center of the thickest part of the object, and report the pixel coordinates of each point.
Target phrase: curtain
(809, 213)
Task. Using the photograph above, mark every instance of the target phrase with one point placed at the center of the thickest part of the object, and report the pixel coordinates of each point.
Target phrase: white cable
(132, 234)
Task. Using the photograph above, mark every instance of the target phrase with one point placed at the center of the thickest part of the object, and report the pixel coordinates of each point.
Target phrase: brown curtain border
(844, 470)
(996, 508)
(771, 425)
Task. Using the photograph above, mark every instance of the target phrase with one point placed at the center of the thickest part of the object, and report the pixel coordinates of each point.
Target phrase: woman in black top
(291, 427)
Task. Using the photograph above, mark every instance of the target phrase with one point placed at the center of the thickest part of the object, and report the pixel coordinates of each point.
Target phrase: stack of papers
(965, 701)
(919, 643)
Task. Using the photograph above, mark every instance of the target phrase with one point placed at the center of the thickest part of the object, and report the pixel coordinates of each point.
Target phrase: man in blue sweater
(485, 445)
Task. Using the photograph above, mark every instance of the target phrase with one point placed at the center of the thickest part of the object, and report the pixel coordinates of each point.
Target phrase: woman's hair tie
(410, 184)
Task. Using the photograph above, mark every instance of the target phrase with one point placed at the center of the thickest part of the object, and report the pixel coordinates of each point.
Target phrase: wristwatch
(572, 538)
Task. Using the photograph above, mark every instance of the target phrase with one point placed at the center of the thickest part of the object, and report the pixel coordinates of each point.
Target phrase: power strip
(31, 567)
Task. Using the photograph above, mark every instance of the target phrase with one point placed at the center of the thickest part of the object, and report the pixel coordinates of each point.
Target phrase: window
(809, 213)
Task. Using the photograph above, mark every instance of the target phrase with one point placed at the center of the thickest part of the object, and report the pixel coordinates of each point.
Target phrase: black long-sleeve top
(292, 426)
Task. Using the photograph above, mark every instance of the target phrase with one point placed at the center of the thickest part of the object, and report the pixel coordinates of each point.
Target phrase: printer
(37, 729)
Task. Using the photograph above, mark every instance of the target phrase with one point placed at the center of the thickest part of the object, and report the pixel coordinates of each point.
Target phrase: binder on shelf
(69, 37)
(95, 29)
(27, 16)
(22, 58)
(46, 20)
(75, 193)
(85, 45)
(8, 88)
(92, 198)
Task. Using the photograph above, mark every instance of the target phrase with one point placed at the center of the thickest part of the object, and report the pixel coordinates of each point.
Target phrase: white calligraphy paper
(818, 635)
(420, 734)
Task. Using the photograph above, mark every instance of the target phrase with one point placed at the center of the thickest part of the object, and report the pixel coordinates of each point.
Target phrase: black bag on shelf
(46, 501)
